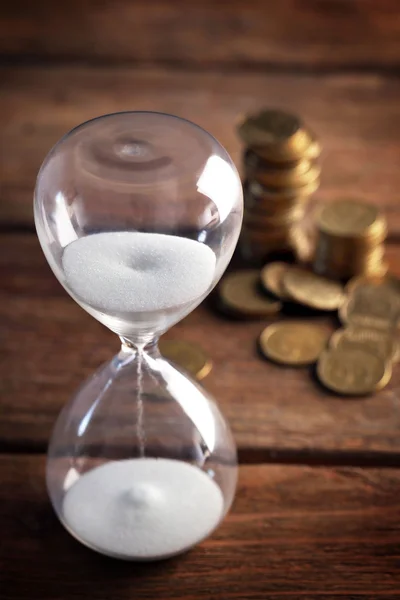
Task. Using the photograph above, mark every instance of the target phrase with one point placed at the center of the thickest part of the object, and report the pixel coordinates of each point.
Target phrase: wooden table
(317, 513)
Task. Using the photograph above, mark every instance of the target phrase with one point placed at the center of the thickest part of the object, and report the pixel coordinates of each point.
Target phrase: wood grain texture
(49, 345)
(294, 532)
(356, 118)
(313, 33)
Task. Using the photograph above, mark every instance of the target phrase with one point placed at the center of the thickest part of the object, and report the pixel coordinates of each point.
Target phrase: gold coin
(293, 343)
(353, 371)
(313, 290)
(379, 270)
(186, 355)
(276, 135)
(272, 279)
(304, 146)
(349, 218)
(375, 280)
(302, 244)
(239, 294)
(266, 194)
(372, 304)
(269, 127)
(376, 341)
(340, 258)
(296, 167)
(295, 174)
(259, 221)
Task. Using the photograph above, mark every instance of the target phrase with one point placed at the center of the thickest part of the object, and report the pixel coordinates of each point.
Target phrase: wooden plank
(313, 33)
(294, 532)
(355, 117)
(49, 346)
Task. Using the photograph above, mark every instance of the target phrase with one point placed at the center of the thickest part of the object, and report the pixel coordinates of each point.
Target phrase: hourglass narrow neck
(149, 346)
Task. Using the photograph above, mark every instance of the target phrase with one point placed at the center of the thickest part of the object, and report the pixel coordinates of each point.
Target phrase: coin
(376, 341)
(302, 244)
(305, 146)
(348, 218)
(313, 290)
(353, 371)
(292, 174)
(260, 221)
(272, 279)
(239, 294)
(293, 343)
(269, 127)
(278, 136)
(297, 167)
(371, 304)
(267, 194)
(389, 281)
(340, 258)
(186, 355)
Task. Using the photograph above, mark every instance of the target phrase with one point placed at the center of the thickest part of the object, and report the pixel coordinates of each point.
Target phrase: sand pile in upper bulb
(133, 271)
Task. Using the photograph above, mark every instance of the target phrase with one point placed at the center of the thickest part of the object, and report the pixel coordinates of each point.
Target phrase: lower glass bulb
(141, 463)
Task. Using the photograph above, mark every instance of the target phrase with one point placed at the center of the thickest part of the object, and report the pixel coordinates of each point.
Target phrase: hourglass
(138, 214)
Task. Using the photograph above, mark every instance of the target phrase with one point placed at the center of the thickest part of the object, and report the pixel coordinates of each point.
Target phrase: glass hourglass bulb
(138, 215)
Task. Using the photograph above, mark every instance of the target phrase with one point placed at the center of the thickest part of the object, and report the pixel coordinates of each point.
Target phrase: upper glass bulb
(138, 214)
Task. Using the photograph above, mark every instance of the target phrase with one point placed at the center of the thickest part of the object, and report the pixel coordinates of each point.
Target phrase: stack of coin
(350, 237)
(280, 175)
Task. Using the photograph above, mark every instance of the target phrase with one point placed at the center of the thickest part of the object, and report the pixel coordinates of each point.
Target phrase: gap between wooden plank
(239, 67)
(273, 456)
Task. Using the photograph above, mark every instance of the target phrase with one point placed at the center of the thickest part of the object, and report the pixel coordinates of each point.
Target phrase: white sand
(131, 271)
(145, 508)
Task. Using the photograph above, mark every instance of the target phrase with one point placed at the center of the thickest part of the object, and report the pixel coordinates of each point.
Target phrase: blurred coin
(340, 258)
(313, 290)
(285, 218)
(371, 304)
(297, 167)
(388, 281)
(376, 341)
(350, 218)
(292, 174)
(353, 371)
(189, 356)
(272, 278)
(306, 146)
(293, 343)
(278, 136)
(302, 244)
(239, 293)
(264, 194)
(269, 127)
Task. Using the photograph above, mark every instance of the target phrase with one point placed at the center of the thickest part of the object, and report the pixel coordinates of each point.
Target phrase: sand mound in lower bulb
(143, 509)
(130, 271)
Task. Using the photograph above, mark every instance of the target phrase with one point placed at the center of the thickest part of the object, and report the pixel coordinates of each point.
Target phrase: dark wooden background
(317, 513)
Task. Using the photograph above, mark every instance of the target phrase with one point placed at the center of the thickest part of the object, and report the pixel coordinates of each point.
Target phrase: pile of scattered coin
(280, 176)
(360, 356)
(355, 360)
(350, 240)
